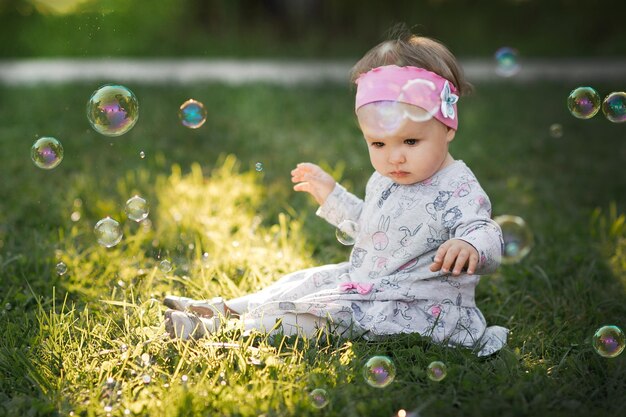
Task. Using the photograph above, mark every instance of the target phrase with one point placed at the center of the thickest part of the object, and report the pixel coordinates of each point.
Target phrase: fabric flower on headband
(448, 99)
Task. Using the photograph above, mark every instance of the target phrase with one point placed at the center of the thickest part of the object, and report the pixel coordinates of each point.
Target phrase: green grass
(64, 336)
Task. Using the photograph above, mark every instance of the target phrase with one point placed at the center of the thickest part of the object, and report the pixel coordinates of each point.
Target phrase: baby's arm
(313, 180)
(476, 240)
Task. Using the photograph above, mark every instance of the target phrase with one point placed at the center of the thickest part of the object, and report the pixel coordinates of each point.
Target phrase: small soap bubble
(518, 239)
(47, 152)
(436, 371)
(146, 379)
(75, 216)
(206, 259)
(61, 268)
(258, 166)
(608, 341)
(165, 266)
(192, 114)
(145, 359)
(379, 371)
(112, 110)
(184, 379)
(346, 232)
(583, 102)
(507, 62)
(142, 154)
(614, 107)
(108, 232)
(556, 130)
(319, 398)
(137, 208)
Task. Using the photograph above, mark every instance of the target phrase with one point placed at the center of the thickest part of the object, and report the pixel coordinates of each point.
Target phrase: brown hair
(403, 48)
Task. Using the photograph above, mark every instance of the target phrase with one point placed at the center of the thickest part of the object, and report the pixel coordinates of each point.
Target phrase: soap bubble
(583, 102)
(192, 114)
(379, 371)
(112, 110)
(614, 107)
(518, 239)
(419, 90)
(507, 63)
(108, 232)
(258, 166)
(608, 341)
(61, 268)
(319, 398)
(142, 154)
(137, 208)
(382, 117)
(436, 371)
(165, 266)
(346, 232)
(47, 152)
(556, 130)
(146, 379)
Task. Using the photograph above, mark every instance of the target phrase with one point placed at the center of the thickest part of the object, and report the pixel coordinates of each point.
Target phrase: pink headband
(410, 85)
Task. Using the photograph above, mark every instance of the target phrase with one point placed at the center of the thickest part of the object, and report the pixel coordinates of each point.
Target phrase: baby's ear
(450, 135)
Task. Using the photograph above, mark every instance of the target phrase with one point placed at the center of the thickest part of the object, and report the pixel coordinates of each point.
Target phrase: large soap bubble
(583, 102)
(192, 114)
(614, 107)
(379, 371)
(108, 232)
(112, 110)
(609, 341)
(517, 236)
(47, 152)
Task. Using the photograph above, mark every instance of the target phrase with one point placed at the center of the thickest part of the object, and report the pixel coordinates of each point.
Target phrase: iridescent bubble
(436, 371)
(518, 239)
(146, 379)
(137, 208)
(108, 232)
(192, 114)
(583, 102)
(556, 130)
(165, 266)
(258, 166)
(608, 341)
(507, 63)
(47, 152)
(346, 232)
(319, 398)
(61, 268)
(419, 90)
(112, 110)
(614, 107)
(382, 117)
(142, 154)
(379, 371)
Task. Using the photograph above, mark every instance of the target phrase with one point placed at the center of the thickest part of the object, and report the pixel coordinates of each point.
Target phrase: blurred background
(305, 28)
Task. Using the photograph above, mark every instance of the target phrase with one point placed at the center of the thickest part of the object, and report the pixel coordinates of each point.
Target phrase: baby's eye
(378, 144)
(410, 141)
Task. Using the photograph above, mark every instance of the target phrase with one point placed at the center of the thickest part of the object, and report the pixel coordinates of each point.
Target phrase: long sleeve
(339, 206)
(478, 229)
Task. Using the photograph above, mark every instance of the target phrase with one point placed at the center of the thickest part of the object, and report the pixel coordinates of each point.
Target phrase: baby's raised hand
(455, 253)
(313, 180)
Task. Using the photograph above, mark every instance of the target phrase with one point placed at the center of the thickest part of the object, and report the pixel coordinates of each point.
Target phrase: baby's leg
(303, 324)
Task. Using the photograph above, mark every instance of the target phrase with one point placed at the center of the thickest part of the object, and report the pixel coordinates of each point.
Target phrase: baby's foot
(203, 308)
(180, 324)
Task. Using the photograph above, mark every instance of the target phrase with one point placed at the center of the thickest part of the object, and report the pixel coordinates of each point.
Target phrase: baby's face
(404, 144)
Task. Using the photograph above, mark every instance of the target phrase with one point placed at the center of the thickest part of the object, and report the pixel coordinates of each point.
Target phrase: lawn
(90, 341)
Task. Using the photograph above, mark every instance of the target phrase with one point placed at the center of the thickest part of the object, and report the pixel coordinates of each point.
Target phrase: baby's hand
(314, 180)
(457, 253)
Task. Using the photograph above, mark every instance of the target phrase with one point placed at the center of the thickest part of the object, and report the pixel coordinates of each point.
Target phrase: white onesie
(387, 287)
